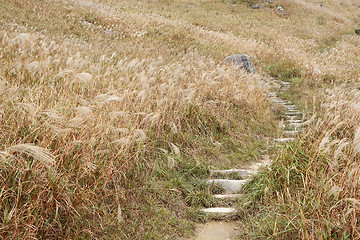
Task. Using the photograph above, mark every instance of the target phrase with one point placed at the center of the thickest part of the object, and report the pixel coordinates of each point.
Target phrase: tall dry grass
(83, 132)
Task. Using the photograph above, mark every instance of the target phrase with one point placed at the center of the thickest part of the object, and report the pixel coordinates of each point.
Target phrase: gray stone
(257, 6)
(280, 11)
(242, 61)
(283, 140)
(290, 133)
(294, 121)
(219, 212)
(230, 186)
(228, 196)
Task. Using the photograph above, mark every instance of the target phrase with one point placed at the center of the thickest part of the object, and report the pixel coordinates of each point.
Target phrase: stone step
(290, 133)
(292, 116)
(243, 173)
(295, 125)
(284, 83)
(290, 106)
(229, 186)
(219, 212)
(294, 121)
(293, 110)
(234, 196)
(293, 113)
(277, 101)
(283, 140)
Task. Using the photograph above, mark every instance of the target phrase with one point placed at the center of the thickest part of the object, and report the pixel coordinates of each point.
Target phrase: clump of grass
(284, 70)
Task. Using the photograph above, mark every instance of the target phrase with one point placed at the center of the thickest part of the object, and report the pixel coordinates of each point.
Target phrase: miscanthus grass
(89, 139)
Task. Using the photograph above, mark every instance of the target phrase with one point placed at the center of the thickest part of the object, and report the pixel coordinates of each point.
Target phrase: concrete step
(291, 106)
(231, 197)
(293, 121)
(293, 113)
(283, 140)
(229, 186)
(293, 110)
(295, 125)
(284, 83)
(219, 212)
(293, 117)
(243, 173)
(290, 133)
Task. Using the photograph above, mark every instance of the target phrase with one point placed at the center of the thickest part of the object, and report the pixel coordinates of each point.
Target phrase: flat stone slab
(219, 212)
(228, 196)
(291, 133)
(293, 113)
(240, 172)
(294, 121)
(284, 83)
(229, 186)
(292, 116)
(295, 125)
(272, 93)
(283, 140)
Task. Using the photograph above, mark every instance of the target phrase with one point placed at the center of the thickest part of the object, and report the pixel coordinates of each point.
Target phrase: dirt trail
(216, 230)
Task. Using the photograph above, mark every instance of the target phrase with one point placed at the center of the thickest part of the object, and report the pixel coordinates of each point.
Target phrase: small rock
(270, 1)
(110, 32)
(280, 10)
(86, 23)
(242, 61)
(257, 6)
(320, 5)
(357, 31)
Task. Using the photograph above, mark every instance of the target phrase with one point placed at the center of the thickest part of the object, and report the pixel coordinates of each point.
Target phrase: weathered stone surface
(293, 113)
(219, 212)
(294, 121)
(242, 61)
(283, 140)
(228, 196)
(280, 11)
(240, 172)
(229, 186)
(257, 6)
(290, 133)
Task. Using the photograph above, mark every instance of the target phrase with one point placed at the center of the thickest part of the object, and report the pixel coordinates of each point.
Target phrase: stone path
(221, 223)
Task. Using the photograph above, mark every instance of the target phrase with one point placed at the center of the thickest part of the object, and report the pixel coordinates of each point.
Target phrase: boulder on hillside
(242, 61)
(280, 11)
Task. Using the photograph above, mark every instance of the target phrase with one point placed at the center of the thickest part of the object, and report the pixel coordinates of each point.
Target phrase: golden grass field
(112, 112)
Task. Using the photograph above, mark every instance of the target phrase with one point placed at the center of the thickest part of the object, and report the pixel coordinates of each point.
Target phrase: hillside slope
(113, 111)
